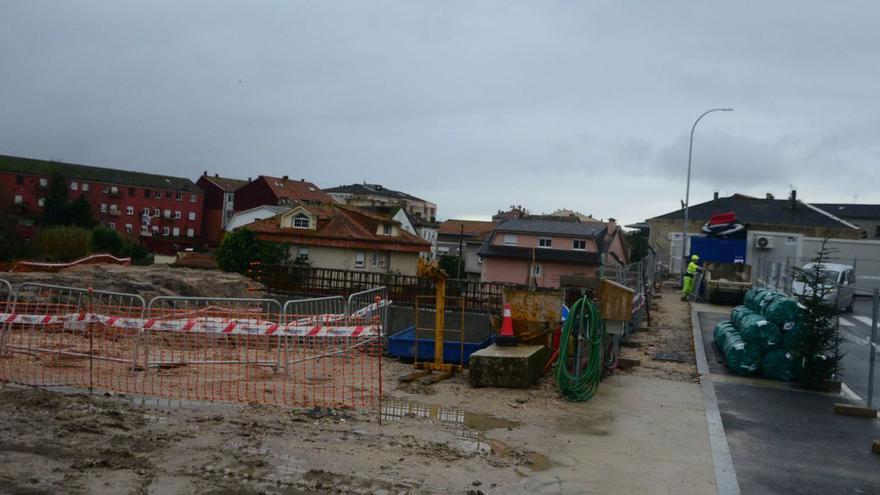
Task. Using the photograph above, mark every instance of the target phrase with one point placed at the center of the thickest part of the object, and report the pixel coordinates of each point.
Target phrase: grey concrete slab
(787, 441)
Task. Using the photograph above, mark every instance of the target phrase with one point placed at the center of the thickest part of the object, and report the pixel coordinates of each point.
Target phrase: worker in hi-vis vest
(688, 285)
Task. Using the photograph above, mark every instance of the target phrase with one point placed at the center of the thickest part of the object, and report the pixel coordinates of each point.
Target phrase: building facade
(464, 238)
(163, 212)
(219, 204)
(540, 252)
(762, 214)
(333, 236)
(866, 217)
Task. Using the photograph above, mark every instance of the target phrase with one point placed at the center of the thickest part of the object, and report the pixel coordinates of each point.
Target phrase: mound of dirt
(147, 281)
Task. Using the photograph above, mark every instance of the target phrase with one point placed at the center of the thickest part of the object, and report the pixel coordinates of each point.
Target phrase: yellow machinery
(429, 268)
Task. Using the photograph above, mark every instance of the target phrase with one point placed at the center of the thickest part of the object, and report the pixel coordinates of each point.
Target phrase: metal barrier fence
(305, 353)
(639, 276)
(5, 293)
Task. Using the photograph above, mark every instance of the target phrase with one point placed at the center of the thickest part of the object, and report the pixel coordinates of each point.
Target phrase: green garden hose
(583, 326)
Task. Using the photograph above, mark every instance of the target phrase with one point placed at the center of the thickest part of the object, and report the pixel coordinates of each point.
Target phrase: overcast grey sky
(475, 105)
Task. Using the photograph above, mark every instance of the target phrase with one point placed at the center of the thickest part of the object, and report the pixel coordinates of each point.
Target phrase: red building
(164, 212)
(219, 204)
(266, 190)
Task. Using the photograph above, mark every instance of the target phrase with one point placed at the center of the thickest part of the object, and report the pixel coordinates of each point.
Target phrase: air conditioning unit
(764, 242)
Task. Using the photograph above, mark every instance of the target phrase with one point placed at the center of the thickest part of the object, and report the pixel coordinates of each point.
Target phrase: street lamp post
(687, 194)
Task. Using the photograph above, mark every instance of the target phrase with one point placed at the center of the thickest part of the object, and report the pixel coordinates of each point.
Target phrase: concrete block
(514, 367)
(627, 363)
(853, 410)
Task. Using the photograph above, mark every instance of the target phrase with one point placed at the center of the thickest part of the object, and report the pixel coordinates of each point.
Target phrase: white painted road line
(846, 323)
(855, 339)
(863, 319)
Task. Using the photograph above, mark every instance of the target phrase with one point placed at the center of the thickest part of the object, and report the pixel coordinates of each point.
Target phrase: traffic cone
(506, 337)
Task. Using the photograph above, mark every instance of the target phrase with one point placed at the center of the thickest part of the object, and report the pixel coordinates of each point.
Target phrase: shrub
(240, 248)
(62, 243)
(110, 241)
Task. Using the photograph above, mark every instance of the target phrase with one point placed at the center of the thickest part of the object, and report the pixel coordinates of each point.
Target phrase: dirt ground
(666, 347)
(644, 432)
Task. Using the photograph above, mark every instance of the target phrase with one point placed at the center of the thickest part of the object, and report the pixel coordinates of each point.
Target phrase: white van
(839, 286)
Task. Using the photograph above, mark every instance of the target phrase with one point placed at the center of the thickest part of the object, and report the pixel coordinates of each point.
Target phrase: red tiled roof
(226, 183)
(471, 227)
(297, 190)
(342, 227)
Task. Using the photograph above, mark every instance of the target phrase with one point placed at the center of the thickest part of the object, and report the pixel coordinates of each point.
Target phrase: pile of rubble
(147, 281)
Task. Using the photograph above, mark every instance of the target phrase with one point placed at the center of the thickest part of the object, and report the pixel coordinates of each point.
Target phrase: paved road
(855, 328)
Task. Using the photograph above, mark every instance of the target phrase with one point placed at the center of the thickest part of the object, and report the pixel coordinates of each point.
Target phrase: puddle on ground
(394, 410)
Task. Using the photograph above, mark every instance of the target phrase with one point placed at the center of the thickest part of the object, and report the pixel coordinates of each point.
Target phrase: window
(510, 239)
(192, 215)
(129, 210)
(178, 196)
(114, 190)
(877, 231)
(103, 207)
(302, 254)
(19, 180)
(536, 270)
(229, 197)
(155, 230)
(579, 245)
(167, 194)
(85, 186)
(301, 222)
(192, 198)
(157, 194)
(386, 229)
(146, 193)
(177, 215)
(74, 185)
(41, 202)
(114, 209)
(145, 230)
(175, 232)
(190, 232)
(850, 277)
(166, 231)
(131, 191)
(359, 259)
(545, 242)
(18, 199)
(443, 250)
(167, 214)
(145, 211)
(111, 225)
(43, 181)
(156, 212)
(128, 228)
(375, 259)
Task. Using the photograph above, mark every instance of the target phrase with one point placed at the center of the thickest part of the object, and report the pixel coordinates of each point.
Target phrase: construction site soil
(146, 281)
(643, 433)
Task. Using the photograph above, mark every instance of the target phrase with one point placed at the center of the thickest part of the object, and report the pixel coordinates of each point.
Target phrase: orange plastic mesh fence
(249, 351)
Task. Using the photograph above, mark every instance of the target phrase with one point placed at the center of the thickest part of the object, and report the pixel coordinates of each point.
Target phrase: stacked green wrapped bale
(741, 358)
(756, 330)
(786, 314)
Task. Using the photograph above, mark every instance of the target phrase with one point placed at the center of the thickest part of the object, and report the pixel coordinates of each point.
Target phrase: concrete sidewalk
(782, 439)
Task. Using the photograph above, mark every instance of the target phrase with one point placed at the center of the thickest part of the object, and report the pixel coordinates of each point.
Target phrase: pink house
(541, 249)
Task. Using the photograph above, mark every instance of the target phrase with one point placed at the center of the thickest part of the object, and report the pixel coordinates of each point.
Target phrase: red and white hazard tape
(231, 326)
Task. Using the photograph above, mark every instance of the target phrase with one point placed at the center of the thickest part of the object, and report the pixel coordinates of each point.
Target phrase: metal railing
(639, 276)
(324, 352)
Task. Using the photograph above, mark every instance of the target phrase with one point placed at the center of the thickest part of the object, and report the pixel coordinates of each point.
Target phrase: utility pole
(460, 249)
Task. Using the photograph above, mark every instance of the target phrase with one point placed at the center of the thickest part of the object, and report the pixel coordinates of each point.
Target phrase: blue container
(403, 345)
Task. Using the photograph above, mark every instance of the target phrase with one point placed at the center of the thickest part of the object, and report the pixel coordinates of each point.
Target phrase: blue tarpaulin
(719, 250)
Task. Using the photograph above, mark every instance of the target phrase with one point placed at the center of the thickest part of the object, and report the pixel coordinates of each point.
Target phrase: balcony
(115, 213)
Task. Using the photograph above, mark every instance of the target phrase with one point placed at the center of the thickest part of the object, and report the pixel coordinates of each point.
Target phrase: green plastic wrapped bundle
(722, 330)
(752, 297)
(741, 358)
(768, 298)
(778, 365)
(758, 331)
(786, 313)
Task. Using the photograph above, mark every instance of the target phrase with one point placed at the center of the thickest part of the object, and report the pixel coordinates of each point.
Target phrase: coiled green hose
(583, 323)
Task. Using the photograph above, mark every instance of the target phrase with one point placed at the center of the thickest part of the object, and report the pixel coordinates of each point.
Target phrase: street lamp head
(726, 109)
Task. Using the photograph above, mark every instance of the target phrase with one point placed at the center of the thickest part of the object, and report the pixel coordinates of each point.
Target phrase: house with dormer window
(275, 191)
(335, 236)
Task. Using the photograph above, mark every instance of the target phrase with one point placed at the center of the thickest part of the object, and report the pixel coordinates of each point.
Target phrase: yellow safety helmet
(695, 258)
